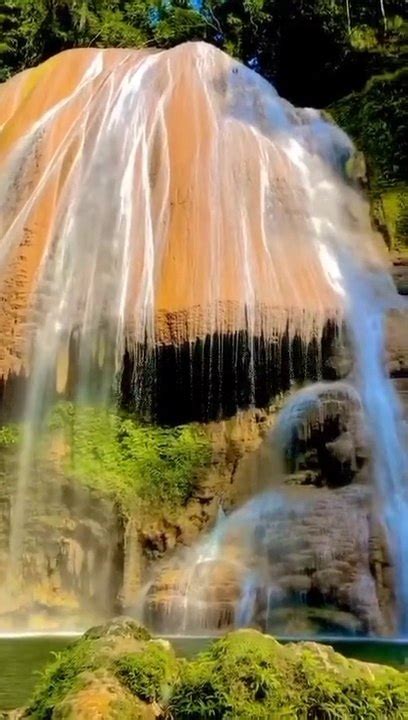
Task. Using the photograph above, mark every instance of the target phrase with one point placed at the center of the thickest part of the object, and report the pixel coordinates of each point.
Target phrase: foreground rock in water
(117, 671)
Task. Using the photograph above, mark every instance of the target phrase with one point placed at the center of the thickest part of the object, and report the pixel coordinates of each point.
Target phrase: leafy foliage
(377, 120)
(249, 676)
(339, 43)
(33, 30)
(62, 676)
(117, 455)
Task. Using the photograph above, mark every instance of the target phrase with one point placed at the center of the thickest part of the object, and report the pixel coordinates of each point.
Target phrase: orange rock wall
(163, 192)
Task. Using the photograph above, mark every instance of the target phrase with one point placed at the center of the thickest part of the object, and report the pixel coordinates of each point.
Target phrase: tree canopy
(313, 50)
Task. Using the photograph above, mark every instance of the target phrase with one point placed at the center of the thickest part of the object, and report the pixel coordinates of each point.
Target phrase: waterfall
(370, 294)
(179, 240)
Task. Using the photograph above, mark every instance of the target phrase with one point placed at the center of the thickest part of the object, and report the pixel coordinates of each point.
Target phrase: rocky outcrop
(153, 537)
(125, 674)
(315, 563)
(307, 554)
(214, 305)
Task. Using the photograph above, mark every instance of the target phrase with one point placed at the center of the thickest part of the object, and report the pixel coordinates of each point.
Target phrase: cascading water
(177, 236)
(369, 297)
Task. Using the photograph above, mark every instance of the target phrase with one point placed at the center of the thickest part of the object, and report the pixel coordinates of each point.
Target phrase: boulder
(243, 676)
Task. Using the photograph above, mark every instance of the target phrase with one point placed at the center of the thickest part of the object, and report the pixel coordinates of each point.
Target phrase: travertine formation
(162, 197)
(172, 228)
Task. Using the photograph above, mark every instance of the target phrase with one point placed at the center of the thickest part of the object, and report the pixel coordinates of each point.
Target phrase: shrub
(9, 435)
(198, 694)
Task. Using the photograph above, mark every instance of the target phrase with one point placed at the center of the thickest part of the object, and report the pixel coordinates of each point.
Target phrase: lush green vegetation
(377, 119)
(244, 676)
(62, 676)
(250, 676)
(131, 461)
(121, 651)
(313, 50)
(118, 456)
(149, 675)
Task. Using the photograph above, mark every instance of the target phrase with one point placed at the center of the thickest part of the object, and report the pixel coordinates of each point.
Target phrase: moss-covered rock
(247, 675)
(118, 672)
(120, 627)
(113, 453)
(102, 696)
(376, 118)
(115, 671)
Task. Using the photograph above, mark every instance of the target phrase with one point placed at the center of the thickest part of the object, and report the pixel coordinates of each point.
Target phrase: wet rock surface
(308, 555)
(315, 564)
(323, 570)
(71, 557)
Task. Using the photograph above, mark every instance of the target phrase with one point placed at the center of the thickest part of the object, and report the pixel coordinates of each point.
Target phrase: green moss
(101, 697)
(243, 676)
(247, 675)
(199, 694)
(106, 663)
(118, 628)
(130, 461)
(376, 118)
(149, 675)
(114, 454)
(330, 686)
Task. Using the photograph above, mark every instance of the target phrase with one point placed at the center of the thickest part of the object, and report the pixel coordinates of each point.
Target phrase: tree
(314, 51)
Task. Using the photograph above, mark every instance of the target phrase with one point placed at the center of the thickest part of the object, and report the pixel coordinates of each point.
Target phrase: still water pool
(22, 658)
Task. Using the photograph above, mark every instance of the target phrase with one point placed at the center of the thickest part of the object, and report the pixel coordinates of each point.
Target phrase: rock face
(120, 673)
(71, 557)
(307, 554)
(317, 564)
(84, 557)
(187, 186)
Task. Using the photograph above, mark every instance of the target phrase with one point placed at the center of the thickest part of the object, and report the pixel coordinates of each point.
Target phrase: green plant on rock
(198, 694)
(151, 674)
(330, 687)
(117, 455)
(249, 676)
(243, 676)
(63, 676)
(117, 665)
